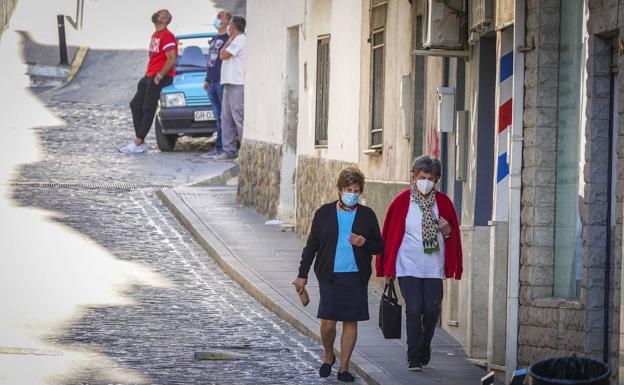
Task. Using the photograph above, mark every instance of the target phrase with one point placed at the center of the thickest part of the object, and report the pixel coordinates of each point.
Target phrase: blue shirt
(345, 258)
(213, 70)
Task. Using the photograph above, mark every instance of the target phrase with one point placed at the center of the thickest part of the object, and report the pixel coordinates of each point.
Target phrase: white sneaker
(132, 148)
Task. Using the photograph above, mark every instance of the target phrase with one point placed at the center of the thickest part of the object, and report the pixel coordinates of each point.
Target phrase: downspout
(607, 272)
(515, 184)
(443, 136)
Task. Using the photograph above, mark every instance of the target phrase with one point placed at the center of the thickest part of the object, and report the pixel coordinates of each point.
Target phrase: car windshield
(192, 54)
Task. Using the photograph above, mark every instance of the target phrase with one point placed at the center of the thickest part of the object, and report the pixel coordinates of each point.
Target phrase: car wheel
(165, 142)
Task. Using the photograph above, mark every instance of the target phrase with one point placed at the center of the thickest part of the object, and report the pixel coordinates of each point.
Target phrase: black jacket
(324, 237)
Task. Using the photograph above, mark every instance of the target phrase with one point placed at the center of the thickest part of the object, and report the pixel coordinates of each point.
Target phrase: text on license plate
(203, 115)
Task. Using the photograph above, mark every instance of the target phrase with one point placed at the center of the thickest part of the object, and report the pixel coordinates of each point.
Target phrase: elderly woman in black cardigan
(343, 238)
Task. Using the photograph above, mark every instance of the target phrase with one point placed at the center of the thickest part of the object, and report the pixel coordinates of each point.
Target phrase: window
(322, 90)
(568, 230)
(378, 37)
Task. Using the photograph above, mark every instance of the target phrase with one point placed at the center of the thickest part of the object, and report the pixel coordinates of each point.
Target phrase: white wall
(267, 23)
(342, 20)
(394, 162)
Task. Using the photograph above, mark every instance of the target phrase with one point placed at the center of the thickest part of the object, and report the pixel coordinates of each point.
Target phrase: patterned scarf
(430, 224)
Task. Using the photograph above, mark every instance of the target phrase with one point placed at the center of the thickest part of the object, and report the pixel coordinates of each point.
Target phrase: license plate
(203, 115)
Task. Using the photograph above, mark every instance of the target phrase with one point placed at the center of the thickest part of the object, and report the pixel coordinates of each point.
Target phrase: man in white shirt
(233, 80)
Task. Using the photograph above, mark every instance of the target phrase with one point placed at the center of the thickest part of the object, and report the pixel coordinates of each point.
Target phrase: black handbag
(390, 313)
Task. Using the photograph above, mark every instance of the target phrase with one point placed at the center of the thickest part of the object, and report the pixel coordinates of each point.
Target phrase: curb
(72, 71)
(217, 180)
(77, 63)
(240, 272)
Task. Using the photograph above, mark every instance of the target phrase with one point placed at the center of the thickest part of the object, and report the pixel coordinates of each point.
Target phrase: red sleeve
(379, 265)
(455, 241)
(168, 42)
(458, 245)
(388, 236)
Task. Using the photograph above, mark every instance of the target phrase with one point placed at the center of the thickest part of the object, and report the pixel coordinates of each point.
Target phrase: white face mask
(424, 186)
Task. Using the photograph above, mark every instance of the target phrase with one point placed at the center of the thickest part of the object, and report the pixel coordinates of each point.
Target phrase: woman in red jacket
(422, 248)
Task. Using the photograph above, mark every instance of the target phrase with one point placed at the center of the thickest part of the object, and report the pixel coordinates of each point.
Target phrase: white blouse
(411, 258)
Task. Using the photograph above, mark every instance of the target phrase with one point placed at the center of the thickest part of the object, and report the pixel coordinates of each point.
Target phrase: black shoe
(345, 377)
(414, 366)
(426, 357)
(325, 369)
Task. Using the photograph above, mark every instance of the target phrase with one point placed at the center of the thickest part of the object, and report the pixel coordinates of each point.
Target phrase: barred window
(322, 90)
(378, 37)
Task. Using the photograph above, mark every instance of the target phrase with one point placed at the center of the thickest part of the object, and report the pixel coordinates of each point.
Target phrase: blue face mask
(217, 23)
(349, 199)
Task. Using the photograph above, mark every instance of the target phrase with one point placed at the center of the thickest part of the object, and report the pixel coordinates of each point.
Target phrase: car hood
(192, 85)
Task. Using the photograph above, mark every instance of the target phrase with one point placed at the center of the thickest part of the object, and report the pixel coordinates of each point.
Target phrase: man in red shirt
(163, 52)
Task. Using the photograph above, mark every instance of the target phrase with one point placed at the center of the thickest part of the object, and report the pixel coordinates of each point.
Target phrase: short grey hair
(428, 164)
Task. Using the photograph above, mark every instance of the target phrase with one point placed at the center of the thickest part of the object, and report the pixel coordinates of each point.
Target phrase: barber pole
(505, 101)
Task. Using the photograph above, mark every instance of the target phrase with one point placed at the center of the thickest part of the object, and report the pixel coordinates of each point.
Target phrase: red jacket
(394, 230)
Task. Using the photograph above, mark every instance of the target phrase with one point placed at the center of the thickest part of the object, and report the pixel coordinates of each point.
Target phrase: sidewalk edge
(190, 220)
(216, 180)
(77, 62)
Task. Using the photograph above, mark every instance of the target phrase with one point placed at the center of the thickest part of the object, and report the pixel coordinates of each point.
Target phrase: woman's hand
(357, 240)
(445, 227)
(299, 284)
(387, 278)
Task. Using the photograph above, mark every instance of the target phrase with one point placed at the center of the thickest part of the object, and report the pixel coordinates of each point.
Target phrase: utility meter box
(446, 109)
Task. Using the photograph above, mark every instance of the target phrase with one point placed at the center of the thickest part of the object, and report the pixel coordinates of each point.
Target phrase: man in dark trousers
(233, 81)
(163, 52)
(212, 84)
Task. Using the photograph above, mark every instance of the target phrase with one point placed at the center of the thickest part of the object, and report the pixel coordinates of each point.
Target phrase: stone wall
(316, 185)
(6, 10)
(379, 194)
(259, 178)
(545, 324)
(553, 326)
(603, 29)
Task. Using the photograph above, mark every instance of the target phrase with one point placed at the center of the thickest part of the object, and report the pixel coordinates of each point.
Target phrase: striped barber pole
(505, 101)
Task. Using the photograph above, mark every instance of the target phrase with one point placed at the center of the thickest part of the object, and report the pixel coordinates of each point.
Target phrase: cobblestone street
(154, 337)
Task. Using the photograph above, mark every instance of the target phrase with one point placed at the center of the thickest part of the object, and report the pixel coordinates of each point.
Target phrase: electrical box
(446, 109)
(442, 24)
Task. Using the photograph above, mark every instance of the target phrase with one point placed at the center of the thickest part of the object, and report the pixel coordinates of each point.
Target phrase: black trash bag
(390, 313)
(570, 371)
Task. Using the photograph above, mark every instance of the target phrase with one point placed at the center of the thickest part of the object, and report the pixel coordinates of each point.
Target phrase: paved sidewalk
(264, 260)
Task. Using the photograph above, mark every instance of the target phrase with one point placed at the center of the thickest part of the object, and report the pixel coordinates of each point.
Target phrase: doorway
(286, 208)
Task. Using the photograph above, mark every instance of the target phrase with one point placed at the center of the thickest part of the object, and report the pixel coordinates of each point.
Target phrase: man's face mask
(155, 18)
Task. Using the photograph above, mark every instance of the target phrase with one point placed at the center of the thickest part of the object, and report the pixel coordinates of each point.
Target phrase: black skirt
(344, 299)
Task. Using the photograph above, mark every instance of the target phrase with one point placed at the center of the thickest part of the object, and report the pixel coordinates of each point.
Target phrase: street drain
(220, 355)
(95, 186)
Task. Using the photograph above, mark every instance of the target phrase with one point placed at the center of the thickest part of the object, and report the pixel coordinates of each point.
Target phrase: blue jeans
(215, 93)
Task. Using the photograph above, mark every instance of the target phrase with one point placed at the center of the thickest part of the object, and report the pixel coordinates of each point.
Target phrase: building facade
(532, 155)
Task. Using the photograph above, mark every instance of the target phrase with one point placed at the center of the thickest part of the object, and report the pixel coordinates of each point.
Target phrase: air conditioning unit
(443, 27)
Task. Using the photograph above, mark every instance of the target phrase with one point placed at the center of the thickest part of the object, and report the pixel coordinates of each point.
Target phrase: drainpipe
(607, 272)
(515, 184)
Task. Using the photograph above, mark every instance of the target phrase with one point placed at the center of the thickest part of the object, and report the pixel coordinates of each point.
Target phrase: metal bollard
(62, 40)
